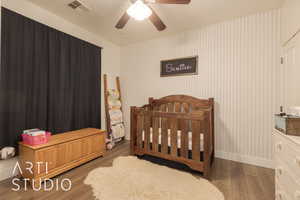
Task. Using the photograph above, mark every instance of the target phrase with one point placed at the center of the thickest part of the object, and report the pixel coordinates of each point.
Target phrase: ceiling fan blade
(170, 1)
(156, 21)
(123, 21)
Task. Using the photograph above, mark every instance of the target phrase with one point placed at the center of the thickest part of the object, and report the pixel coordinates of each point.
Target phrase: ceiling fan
(140, 10)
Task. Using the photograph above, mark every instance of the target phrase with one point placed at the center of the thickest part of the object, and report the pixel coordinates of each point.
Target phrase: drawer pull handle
(279, 196)
(279, 171)
(279, 146)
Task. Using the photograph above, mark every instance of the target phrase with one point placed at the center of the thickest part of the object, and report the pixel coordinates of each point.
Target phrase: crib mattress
(178, 139)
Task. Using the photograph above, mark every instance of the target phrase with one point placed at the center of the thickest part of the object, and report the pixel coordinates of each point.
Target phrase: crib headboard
(180, 103)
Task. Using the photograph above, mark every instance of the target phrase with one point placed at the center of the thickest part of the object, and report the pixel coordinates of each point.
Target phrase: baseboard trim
(261, 162)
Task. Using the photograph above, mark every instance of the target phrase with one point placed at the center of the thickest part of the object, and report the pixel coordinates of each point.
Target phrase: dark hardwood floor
(237, 181)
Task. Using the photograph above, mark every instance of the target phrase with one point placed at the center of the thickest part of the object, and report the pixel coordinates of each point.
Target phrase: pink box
(36, 140)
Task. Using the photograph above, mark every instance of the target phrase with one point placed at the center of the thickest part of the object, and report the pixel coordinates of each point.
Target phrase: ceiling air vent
(75, 4)
(78, 4)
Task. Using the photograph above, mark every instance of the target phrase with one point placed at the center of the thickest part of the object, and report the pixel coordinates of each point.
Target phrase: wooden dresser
(287, 161)
(63, 152)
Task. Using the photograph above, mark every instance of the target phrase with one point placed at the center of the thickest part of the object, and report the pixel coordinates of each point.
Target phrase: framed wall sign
(179, 67)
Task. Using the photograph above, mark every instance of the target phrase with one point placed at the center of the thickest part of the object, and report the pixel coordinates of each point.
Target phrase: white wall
(110, 53)
(290, 69)
(237, 66)
(289, 79)
(289, 19)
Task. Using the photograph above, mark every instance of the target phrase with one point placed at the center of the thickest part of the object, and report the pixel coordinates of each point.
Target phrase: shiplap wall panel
(237, 66)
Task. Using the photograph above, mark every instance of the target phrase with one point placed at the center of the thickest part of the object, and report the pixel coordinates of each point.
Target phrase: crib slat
(147, 124)
(164, 131)
(173, 127)
(196, 140)
(164, 135)
(155, 133)
(140, 122)
(184, 127)
(177, 107)
(184, 146)
(170, 107)
(185, 107)
(163, 108)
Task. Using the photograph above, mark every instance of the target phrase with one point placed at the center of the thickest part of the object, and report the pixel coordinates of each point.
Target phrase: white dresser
(287, 161)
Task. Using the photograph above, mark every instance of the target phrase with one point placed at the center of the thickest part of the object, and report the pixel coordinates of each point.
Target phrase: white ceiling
(104, 14)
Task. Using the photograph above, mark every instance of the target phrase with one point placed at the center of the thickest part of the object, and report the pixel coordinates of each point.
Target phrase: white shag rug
(133, 179)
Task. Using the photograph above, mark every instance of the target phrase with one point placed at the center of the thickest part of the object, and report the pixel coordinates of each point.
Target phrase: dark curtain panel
(48, 79)
(24, 76)
(74, 95)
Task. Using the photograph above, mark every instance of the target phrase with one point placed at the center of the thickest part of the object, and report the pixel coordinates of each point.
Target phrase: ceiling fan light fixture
(139, 11)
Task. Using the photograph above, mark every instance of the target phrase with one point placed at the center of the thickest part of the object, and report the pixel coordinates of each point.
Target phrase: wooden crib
(178, 128)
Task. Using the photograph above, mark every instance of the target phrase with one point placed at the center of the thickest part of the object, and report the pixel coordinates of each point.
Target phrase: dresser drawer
(286, 181)
(281, 194)
(289, 153)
